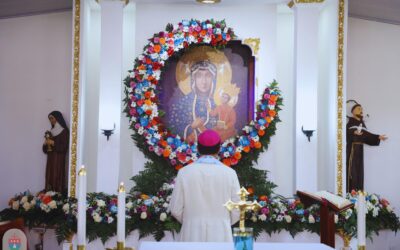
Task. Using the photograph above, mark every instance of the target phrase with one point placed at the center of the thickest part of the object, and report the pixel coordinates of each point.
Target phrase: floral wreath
(142, 100)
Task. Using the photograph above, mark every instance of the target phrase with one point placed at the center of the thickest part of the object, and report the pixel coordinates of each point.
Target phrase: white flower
(110, 219)
(45, 208)
(172, 155)
(166, 204)
(52, 204)
(101, 203)
(24, 199)
(33, 202)
(218, 31)
(140, 131)
(157, 136)
(288, 218)
(26, 206)
(50, 193)
(254, 218)
(279, 218)
(207, 39)
(163, 216)
(129, 205)
(311, 219)
(65, 208)
(348, 213)
(389, 208)
(15, 205)
(375, 212)
(164, 56)
(96, 217)
(256, 138)
(143, 215)
(226, 30)
(262, 217)
(336, 218)
(209, 25)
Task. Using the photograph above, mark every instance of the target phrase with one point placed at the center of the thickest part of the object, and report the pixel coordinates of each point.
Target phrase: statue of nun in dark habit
(56, 147)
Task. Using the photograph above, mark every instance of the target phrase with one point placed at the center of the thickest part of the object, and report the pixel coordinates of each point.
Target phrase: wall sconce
(308, 133)
(108, 132)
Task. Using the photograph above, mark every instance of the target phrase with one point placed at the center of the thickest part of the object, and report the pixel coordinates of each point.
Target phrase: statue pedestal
(243, 239)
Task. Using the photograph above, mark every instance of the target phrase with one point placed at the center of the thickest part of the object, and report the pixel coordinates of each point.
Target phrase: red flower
(46, 199)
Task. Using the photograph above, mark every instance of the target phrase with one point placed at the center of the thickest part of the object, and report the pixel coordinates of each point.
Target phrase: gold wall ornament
(254, 44)
(75, 98)
(243, 206)
(293, 2)
(339, 138)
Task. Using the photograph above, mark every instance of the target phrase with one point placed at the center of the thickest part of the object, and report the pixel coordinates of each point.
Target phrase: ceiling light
(208, 1)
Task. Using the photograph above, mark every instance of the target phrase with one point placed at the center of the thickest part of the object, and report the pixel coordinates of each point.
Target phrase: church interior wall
(373, 81)
(327, 88)
(35, 79)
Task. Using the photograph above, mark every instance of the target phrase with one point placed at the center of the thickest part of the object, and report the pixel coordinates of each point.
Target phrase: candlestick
(82, 208)
(361, 232)
(121, 217)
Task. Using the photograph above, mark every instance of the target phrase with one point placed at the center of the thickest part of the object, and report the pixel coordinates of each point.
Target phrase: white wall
(35, 79)
(327, 89)
(374, 81)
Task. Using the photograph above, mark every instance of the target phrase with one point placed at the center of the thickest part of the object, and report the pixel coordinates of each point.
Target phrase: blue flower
(139, 110)
(244, 141)
(148, 202)
(230, 149)
(254, 133)
(170, 140)
(261, 122)
(300, 211)
(263, 106)
(113, 209)
(177, 142)
(144, 121)
(185, 22)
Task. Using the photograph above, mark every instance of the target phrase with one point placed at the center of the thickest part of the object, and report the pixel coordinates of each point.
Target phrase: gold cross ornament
(243, 206)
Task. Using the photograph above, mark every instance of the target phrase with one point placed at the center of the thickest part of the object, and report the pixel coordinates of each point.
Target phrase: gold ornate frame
(339, 139)
(75, 97)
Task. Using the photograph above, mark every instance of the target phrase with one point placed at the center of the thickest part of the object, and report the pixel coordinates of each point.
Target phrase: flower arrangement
(141, 95)
(149, 214)
(380, 215)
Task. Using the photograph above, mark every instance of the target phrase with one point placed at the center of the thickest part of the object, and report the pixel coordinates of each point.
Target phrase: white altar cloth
(151, 245)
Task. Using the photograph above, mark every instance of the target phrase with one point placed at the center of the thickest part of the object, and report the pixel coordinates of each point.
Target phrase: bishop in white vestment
(201, 190)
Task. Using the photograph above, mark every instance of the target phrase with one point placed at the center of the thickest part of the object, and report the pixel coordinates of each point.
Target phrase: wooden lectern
(327, 215)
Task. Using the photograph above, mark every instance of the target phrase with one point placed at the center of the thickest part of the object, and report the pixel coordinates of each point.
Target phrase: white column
(306, 84)
(110, 95)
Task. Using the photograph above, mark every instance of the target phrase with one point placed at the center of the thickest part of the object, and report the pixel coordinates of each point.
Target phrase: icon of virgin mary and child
(204, 107)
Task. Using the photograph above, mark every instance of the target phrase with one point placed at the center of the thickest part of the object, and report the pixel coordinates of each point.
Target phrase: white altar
(150, 245)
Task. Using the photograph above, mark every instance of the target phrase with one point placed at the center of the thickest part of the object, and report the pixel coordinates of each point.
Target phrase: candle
(82, 206)
(121, 215)
(361, 232)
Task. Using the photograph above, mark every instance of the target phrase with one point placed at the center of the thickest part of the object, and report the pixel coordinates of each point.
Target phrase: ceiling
(387, 11)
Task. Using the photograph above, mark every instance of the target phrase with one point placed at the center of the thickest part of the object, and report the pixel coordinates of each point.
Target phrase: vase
(243, 239)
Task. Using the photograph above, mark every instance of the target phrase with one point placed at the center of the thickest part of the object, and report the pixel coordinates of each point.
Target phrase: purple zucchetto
(209, 138)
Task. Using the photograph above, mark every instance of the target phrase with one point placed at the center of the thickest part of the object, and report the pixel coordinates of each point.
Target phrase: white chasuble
(201, 190)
